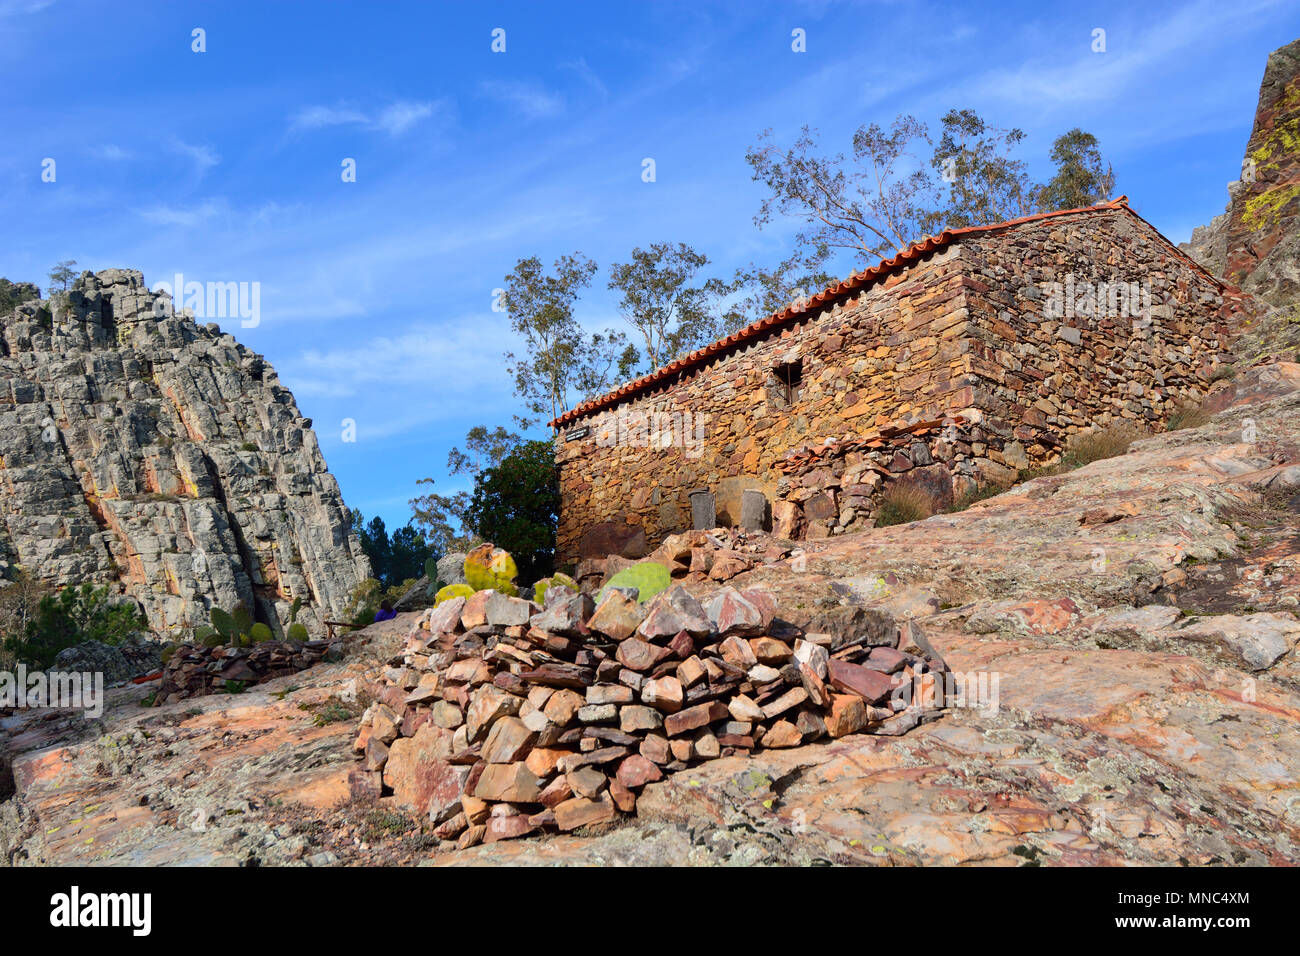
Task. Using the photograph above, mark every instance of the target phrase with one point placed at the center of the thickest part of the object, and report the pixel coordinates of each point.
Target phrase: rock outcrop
(1255, 243)
(143, 451)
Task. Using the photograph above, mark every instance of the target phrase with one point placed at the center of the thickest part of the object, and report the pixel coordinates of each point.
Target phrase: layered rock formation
(1255, 243)
(141, 450)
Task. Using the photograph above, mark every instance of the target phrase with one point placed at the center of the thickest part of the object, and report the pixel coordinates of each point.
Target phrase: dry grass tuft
(1187, 416)
(904, 501)
(1109, 441)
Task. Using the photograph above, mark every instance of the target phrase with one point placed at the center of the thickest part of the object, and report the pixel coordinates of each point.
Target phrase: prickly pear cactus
(558, 579)
(260, 633)
(648, 577)
(243, 619)
(491, 567)
(452, 591)
(298, 632)
(224, 627)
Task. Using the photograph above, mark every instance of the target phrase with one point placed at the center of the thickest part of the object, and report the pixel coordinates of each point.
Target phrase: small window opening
(789, 378)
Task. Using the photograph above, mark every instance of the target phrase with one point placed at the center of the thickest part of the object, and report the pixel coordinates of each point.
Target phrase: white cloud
(455, 361)
(1132, 56)
(186, 216)
(320, 117)
(203, 157)
(584, 72)
(114, 154)
(528, 98)
(394, 119)
(18, 8)
(399, 117)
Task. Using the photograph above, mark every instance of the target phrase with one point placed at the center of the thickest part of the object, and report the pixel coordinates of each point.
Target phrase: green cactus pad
(242, 618)
(223, 624)
(298, 632)
(648, 577)
(453, 591)
(559, 579)
(488, 567)
(260, 633)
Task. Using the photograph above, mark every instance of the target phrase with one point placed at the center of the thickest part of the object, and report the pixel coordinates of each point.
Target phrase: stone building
(958, 361)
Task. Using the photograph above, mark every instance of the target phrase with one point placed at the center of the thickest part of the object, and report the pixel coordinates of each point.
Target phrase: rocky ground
(1139, 615)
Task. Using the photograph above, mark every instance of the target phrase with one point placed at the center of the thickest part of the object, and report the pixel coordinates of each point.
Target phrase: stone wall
(893, 351)
(973, 337)
(163, 458)
(194, 671)
(1043, 375)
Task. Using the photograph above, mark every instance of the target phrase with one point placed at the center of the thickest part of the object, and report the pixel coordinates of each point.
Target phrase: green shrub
(366, 598)
(298, 632)
(73, 616)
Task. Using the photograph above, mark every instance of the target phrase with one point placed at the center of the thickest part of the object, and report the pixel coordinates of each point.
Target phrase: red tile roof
(834, 293)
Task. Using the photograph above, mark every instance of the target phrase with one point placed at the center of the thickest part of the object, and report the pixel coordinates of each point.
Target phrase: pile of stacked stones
(503, 717)
(835, 488)
(191, 670)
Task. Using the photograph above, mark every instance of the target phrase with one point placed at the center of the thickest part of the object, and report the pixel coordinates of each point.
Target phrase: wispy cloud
(359, 374)
(531, 99)
(1131, 56)
(203, 157)
(320, 117)
(113, 154)
(400, 117)
(187, 216)
(394, 119)
(19, 8)
(587, 75)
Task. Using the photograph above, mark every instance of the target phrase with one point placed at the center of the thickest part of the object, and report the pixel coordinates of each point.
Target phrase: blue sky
(376, 295)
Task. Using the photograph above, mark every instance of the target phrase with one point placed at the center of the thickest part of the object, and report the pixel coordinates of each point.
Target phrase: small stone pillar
(753, 510)
(704, 514)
